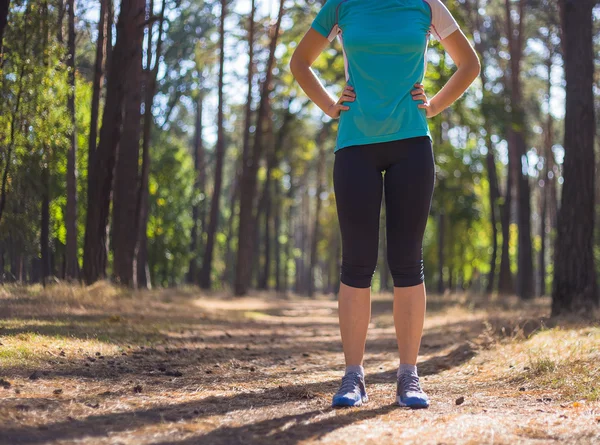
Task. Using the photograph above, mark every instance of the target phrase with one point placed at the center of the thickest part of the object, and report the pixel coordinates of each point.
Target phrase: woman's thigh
(358, 187)
(409, 186)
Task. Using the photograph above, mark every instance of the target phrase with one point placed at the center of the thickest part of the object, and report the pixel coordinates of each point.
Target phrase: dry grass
(103, 365)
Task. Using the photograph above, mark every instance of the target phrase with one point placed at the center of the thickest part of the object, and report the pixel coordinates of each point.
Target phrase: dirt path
(100, 367)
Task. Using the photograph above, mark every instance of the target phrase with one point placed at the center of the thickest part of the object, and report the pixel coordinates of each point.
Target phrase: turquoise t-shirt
(384, 46)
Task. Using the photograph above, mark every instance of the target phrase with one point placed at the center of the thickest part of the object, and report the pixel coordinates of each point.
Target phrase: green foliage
(170, 221)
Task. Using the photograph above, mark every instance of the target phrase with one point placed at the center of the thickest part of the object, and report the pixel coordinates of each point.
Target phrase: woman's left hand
(419, 94)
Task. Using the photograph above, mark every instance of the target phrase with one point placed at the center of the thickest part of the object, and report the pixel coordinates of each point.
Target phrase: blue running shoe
(352, 391)
(409, 392)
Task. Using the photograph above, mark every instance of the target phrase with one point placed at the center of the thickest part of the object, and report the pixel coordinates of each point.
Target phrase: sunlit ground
(103, 365)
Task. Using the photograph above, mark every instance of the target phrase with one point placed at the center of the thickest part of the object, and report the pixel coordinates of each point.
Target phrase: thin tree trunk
(246, 140)
(140, 256)
(199, 187)
(45, 161)
(205, 274)
(13, 125)
(517, 145)
(264, 209)
(45, 223)
(290, 233)
(494, 193)
(99, 195)
(4, 8)
(249, 174)
(575, 288)
(72, 264)
(384, 271)
(546, 182)
(320, 186)
(441, 241)
(102, 44)
(277, 228)
(505, 280)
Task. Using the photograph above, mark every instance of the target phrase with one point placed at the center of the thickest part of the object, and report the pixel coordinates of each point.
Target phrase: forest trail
(99, 365)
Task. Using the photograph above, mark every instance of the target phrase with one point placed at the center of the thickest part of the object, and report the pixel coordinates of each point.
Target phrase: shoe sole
(349, 402)
(414, 404)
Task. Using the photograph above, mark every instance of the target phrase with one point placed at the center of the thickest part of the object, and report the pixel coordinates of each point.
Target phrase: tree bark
(575, 287)
(384, 271)
(441, 229)
(140, 256)
(102, 44)
(126, 188)
(545, 183)
(320, 186)
(4, 8)
(245, 143)
(199, 187)
(494, 192)
(249, 174)
(517, 146)
(205, 273)
(45, 165)
(99, 195)
(72, 264)
(277, 229)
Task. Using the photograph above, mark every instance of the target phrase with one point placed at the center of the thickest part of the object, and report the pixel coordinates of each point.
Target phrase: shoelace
(349, 382)
(409, 382)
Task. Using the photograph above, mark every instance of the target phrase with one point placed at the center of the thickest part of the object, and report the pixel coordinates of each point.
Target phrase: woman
(383, 148)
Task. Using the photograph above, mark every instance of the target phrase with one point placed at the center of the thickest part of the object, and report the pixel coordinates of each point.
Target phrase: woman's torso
(384, 44)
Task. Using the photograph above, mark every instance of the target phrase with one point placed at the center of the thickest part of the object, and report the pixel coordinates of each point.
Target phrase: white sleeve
(442, 22)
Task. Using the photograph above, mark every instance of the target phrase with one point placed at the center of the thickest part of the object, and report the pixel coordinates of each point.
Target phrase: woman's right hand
(348, 95)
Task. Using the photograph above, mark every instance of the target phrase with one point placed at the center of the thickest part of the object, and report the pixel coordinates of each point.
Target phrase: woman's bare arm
(468, 68)
(307, 51)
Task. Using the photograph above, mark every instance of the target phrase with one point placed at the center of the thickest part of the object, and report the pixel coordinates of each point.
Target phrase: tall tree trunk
(126, 188)
(545, 181)
(99, 196)
(277, 229)
(494, 193)
(102, 44)
(4, 8)
(246, 138)
(13, 122)
(228, 274)
(264, 209)
(45, 165)
(289, 246)
(249, 173)
(517, 145)
(45, 222)
(575, 287)
(141, 267)
(320, 186)
(384, 271)
(199, 187)
(72, 264)
(441, 229)
(505, 279)
(205, 273)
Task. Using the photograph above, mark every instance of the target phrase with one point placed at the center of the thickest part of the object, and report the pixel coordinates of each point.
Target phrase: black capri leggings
(359, 184)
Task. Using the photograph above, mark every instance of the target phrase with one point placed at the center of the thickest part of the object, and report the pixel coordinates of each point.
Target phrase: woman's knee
(356, 275)
(406, 265)
(407, 275)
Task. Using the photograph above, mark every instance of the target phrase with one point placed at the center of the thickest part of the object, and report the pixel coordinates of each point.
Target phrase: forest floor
(100, 365)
